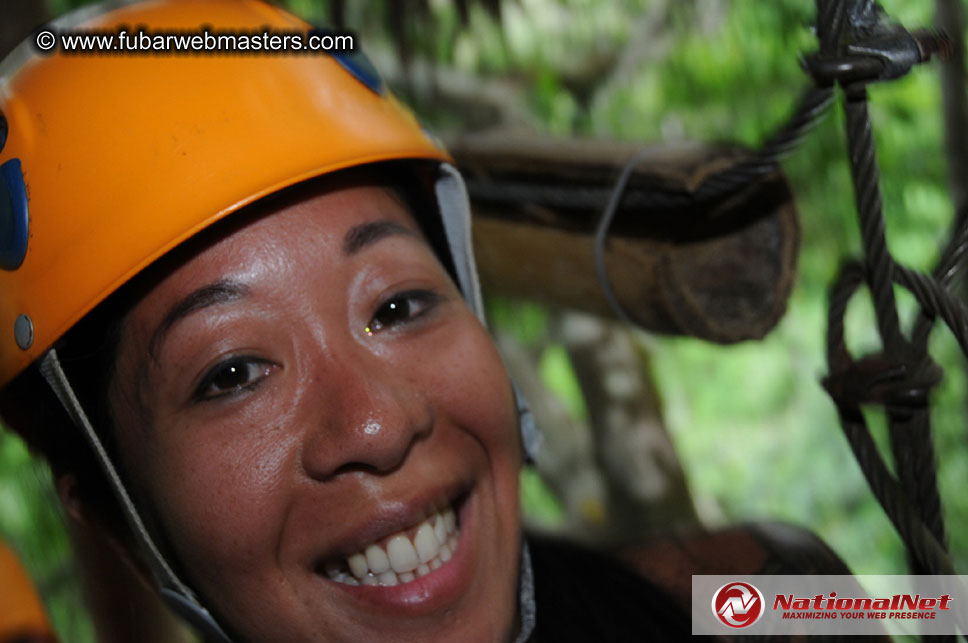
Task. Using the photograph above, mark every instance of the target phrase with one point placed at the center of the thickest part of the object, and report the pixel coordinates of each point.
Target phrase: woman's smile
(399, 558)
(414, 570)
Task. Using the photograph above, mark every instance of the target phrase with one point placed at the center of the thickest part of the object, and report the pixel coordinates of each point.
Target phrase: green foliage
(559, 376)
(537, 502)
(31, 521)
(757, 436)
(527, 322)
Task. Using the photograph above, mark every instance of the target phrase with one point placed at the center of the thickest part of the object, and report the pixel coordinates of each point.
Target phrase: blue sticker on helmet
(360, 66)
(13, 215)
(355, 62)
(3, 131)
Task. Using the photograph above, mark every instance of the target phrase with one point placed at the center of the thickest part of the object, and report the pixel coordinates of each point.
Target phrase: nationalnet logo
(830, 605)
(900, 606)
(738, 604)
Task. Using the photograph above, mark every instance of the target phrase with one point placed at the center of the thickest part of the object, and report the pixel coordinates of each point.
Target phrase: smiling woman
(244, 325)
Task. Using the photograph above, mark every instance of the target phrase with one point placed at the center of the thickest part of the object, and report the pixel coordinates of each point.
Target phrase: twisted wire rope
(912, 501)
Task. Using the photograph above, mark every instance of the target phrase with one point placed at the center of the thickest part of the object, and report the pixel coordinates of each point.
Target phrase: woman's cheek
(478, 392)
(224, 490)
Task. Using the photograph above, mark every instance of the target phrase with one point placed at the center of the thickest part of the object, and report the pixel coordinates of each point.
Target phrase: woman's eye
(401, 308)
(232, 376)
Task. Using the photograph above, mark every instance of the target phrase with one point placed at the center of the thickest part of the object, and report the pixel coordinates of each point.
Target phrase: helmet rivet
(23, 332)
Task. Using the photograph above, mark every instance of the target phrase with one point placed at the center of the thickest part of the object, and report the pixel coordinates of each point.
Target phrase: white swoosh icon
(737, 605)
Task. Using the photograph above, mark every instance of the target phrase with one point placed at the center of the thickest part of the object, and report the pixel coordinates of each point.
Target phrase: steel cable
(915, 499)
(920, 539)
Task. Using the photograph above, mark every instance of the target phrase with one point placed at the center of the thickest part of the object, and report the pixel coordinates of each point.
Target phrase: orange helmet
(21, 611)
(109, 160)
(112, 159)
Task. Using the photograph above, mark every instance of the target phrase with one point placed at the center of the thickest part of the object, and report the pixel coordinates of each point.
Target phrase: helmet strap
(526, 606)
(531, 437)
(178, 595)
(455, 211)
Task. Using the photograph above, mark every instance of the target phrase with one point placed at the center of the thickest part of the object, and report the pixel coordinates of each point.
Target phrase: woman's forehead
(323, 218)
(289, 237)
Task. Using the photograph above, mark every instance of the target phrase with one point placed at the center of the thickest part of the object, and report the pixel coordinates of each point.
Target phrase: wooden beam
(721, 270)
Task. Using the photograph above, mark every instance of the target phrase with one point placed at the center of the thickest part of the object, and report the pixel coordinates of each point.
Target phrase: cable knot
(900, 382)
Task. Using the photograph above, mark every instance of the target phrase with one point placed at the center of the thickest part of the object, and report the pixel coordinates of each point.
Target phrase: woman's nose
(368, 421)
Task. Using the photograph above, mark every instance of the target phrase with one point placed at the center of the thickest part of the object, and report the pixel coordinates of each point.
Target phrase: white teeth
(333, 570)
(426, 543)
(401, 559)
(388, 579)
(358, 565)
(440, 530)
(376, 559)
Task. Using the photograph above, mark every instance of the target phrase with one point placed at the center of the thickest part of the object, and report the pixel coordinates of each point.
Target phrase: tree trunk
(951, 18)
(647, 491)
(616, 475)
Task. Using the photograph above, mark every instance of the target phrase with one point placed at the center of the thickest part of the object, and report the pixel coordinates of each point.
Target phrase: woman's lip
(389, 518)
(438, 589)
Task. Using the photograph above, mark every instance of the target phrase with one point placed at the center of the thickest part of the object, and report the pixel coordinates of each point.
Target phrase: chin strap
(526, 606)
(455, 212)
(175, 593)
(531, 437)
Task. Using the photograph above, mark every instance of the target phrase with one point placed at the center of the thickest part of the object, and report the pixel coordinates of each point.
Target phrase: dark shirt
(582, 595)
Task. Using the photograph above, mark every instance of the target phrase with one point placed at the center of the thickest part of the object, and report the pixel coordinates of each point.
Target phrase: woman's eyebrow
(364, 234)
(215, 293)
